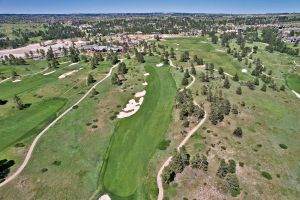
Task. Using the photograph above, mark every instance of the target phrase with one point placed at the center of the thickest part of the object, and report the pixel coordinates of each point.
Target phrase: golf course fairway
(136, 138)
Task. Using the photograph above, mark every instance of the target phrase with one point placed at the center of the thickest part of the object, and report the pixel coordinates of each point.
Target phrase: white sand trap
(298, 95)
(48, 73)
(176, 49)
(177, 44)
(104, 197)
(68, 74)
(73, 64)
(132, 106)
(203, 42)
(17, 80)
(244, 70)
(220, 50)
(2, 81)
(140, 94)
(147, 74)
(145, 83)
(159, 65)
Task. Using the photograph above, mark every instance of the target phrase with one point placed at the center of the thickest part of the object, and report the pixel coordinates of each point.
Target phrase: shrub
(163, 145)
(266, 175)
(283, 146)
(238, 132)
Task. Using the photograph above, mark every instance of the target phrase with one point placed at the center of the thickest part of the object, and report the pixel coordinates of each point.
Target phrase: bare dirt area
(55, 45)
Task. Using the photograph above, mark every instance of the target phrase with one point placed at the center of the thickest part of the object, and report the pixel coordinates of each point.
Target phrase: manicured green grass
(28, 121)
(136, 138)
(9, 89)
(293, 81)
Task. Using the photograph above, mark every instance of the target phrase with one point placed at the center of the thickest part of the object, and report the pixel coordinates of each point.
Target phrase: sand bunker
(104, 197)
(244, 70)
(2, 81)
(48, 73)
(147, 74)
(176, 49)
(17, 80)
(73, 64)
(159, 65)
(145, 83)
(177, 44)
(68, 73)
(132, 106)
(140, 94)
(220, 50)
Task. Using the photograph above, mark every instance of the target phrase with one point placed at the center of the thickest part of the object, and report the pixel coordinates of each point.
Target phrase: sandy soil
(104, 197)
(159, 65)
(145, 83)
(68, 73)
(17, 80)
(73, 64)
(244, 70)
(146, 74)
(20, 52)
(2, 81)
(132, 106)
(48, 73)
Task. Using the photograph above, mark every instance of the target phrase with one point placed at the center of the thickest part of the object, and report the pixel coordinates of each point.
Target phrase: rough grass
(29, 121)
(136, 138)
(293, 81)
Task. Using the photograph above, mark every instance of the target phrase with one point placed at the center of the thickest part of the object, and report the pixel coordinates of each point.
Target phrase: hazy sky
(117, 6)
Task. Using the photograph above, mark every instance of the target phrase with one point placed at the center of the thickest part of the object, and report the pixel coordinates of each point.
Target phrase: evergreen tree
(226, 83)
(90, 79)
(239, 91)
(264, 87)
(236, 77)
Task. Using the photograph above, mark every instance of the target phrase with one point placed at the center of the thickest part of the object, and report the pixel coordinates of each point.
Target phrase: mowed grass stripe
(29, 121)
(293, 81)
(136, 138)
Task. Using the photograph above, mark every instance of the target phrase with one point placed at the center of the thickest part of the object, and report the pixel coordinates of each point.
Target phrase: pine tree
(239, 91)
(90, 79)
(236, 77)
(226, 83)
(264, 87)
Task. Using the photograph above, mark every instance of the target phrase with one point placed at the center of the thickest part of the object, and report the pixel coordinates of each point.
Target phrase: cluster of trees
(122, 70)
(185, 56)
(220, 107)
(60, 31)
(12, 60)
(4, 168)
(230, 182)
(19, 103)
(184, 102)
(179, 161)
(199, 162)
(271, 37)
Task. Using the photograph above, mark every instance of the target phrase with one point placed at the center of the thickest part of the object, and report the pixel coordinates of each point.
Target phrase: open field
(267, 119)
(134, 143)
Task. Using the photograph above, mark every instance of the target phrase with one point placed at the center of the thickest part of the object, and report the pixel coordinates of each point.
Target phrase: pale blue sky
(121, 6)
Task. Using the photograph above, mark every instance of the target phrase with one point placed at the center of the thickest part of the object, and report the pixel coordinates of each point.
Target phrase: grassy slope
(268, 119)
(293, 81)
(210, 53)
(136, 138)
(26, 122)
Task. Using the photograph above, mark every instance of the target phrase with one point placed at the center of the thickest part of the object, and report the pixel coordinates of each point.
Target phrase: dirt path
(33, 144)
(183, 142)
